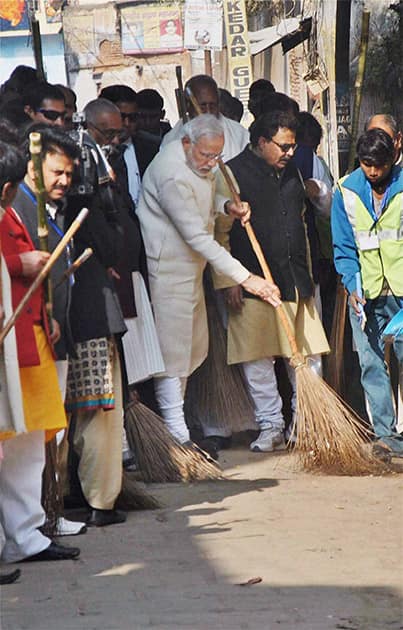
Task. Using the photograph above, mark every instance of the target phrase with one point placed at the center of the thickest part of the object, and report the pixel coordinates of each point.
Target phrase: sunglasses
(284, 147)
(52, 114)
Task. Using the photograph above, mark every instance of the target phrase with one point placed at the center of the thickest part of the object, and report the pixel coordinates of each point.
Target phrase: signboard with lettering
(239, 59)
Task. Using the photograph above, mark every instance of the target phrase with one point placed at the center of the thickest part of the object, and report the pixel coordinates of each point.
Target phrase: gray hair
(388, 119)
(203, 125)
(99, 106)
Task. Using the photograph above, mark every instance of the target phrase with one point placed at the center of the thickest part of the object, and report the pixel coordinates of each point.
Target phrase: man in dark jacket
(268, 180)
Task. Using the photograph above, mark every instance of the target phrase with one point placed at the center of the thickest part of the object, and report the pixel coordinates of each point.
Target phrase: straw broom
(331, 436)
(160, 457)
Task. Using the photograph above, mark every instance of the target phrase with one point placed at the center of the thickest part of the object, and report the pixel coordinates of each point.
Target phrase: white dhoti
(141, 348)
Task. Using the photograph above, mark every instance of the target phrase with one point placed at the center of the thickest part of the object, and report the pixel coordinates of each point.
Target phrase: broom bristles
(133, 497)
(52, 500)
(331, 438)
(160, 457)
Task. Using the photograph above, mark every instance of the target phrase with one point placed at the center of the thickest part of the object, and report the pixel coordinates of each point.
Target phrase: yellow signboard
(239, 59)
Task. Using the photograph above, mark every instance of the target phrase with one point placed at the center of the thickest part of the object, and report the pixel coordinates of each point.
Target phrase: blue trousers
(374, 374)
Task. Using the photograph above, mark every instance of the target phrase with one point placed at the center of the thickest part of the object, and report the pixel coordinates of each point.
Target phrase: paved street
(328, 551)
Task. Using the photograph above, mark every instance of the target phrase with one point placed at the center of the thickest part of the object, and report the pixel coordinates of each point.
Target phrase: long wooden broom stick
(44, 271)
(35, 149)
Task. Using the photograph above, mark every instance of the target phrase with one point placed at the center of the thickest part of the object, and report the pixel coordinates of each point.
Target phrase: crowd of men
(134, 314)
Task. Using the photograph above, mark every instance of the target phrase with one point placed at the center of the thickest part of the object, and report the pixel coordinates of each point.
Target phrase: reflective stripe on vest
(379, 243)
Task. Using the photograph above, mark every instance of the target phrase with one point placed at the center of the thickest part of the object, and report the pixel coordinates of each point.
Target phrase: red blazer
(14, 241)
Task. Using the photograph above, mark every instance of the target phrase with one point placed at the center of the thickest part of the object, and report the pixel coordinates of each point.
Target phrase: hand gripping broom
(331, 437)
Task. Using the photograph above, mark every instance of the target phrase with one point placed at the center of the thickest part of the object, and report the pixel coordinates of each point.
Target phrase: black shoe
(10, 578)
(214, 443)
(102, 518)
(54, 552)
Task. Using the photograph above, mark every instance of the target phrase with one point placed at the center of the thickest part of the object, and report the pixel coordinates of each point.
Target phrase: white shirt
(133, 172)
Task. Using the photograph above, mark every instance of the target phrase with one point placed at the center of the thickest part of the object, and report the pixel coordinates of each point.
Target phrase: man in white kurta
(176, 210)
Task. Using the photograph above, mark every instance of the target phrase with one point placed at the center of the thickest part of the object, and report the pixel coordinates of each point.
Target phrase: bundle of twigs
(216, 394)
(52, 496)
(331, 437)
(159, 456)
(133, 497)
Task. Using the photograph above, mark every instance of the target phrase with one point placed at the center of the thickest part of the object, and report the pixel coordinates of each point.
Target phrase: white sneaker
(268, 440)
(70, 528)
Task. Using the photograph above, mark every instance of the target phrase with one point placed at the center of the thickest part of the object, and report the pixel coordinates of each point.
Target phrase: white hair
(203, 125)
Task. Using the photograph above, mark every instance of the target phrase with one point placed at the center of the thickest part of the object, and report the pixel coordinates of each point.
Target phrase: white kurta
(236, 137)
(176, 212)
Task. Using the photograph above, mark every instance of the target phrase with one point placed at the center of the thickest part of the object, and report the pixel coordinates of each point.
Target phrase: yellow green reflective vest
(379, 244)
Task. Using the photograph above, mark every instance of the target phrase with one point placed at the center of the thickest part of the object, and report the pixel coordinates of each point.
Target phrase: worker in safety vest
(367, 231)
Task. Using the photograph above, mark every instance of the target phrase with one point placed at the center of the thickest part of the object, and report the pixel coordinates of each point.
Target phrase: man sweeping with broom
(268, 180)
(176, 212)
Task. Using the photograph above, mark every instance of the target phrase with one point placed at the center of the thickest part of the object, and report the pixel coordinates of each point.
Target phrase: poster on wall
(151, 30)
(203, 24)
(13, 16)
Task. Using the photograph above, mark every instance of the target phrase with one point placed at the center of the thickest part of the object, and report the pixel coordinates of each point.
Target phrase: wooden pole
(35, 149)
(358, 87)
(36, 42)
(208, 66)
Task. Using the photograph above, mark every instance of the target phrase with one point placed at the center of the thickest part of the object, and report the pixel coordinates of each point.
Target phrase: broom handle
(267, 274)
(260, 256)
(87, 253)
(44, 271)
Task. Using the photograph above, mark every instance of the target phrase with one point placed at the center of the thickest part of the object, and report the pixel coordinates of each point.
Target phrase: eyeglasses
(284, 147)
(209, 156)
(109, 134)
(52, 114)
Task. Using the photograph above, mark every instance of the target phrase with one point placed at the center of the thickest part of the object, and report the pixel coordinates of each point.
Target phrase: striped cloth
(141, 347)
